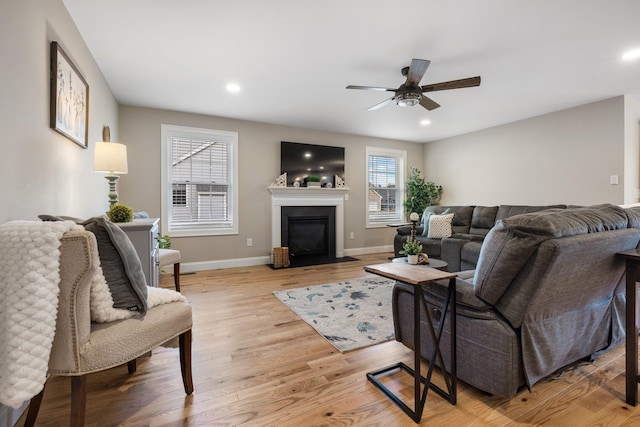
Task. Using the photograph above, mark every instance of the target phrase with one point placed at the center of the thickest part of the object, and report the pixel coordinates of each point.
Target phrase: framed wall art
(69, 112)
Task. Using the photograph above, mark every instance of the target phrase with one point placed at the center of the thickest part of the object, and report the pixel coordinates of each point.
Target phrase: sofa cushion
(470, 253)
(440, 226)
(425, 222)
(462, 218)
(506, 211)
(513, 240)
(483, 219)
(633, 214)
(120, 264)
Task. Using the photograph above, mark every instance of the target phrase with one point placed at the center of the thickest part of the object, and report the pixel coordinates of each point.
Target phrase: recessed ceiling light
(233, 87)
(631, 54)
(425, 122)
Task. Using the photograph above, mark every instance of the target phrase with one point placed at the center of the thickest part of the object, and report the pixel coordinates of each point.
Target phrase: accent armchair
(81, 347)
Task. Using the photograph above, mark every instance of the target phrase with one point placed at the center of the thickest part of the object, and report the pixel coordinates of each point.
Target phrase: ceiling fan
(411, 93)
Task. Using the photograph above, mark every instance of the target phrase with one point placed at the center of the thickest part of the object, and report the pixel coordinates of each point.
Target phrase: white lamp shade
(110, 157)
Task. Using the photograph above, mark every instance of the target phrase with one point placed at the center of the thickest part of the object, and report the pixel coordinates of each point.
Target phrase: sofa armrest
(451, 248)
(78, 262)
(468, 304)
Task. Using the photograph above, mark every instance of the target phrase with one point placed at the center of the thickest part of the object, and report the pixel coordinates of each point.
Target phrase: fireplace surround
(308, 197)
(309, 233)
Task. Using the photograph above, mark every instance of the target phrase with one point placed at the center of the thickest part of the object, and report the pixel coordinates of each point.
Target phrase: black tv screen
(301, 160)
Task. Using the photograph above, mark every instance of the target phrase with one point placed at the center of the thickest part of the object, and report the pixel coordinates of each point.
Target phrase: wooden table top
(631, 253)
(407, 273)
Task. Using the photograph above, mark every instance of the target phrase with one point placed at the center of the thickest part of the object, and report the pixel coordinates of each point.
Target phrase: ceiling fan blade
(382, 89)
(381, 104)
(428, 103)
(416, 71)
(453, 84)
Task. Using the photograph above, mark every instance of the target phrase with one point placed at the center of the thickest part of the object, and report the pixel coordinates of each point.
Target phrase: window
(199, 181)
(385, 192)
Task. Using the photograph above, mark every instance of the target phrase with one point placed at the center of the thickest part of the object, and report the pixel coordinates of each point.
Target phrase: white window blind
(385, 191)
(201, 176)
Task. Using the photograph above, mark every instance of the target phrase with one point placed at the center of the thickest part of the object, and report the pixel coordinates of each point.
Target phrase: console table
(417, 276)
(143, 233)
(632, 258)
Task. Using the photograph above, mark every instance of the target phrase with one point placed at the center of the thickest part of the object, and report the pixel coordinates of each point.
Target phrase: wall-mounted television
(301, 160)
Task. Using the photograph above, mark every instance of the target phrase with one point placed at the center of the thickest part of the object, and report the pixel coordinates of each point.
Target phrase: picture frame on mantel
(69, 108)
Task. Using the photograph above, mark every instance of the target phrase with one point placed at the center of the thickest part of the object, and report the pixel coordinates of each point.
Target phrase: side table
(632, 258)
(418, 275)
(438, 264)
(143, 233)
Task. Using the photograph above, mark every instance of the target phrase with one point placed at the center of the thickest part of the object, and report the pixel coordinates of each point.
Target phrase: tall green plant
(420, 192)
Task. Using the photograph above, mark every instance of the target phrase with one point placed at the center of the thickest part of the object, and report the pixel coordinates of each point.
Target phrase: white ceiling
(293, 58)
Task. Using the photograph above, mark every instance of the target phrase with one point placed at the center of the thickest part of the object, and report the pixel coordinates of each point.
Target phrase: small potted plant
(411, 248)
(120, 213)
(164, 242)
(313, 181)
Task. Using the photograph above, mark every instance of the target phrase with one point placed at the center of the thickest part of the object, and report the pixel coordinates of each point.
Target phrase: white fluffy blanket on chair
(29, 288)
(29, 279)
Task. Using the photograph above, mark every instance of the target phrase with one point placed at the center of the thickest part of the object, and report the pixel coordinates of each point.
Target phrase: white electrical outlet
(613, 179)
(249, 241)
(352, 235)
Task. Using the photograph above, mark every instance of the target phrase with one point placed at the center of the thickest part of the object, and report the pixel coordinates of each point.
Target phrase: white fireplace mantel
(307, 196)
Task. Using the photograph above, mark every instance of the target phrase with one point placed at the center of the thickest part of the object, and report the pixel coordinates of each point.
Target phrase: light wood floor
(256, 363)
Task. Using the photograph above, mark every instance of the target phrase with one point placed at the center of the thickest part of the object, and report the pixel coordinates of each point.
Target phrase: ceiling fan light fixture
(408, 99)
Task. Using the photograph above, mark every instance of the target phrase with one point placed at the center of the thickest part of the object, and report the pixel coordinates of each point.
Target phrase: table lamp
(111, 158)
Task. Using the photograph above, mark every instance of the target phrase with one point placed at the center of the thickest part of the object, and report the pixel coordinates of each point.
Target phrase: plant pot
(412, 259)
(313, 184)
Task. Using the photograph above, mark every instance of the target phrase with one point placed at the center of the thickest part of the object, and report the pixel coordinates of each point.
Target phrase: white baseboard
(191, 267)
(369, 250)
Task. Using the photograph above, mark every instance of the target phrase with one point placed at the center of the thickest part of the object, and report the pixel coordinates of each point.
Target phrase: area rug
(349, 315)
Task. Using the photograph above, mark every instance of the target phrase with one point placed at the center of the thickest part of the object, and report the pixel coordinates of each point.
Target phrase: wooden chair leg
(185, 361)
(176, 275)
(132, 365)
(34, 408)
(78, 400)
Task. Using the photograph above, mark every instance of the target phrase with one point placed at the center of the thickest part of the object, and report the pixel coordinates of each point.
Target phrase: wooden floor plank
(255, 363)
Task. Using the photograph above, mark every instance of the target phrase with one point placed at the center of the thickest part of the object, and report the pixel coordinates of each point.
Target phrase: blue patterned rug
(350, 314)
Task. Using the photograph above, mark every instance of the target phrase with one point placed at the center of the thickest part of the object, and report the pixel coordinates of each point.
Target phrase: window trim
(166, 191)
(401, 156)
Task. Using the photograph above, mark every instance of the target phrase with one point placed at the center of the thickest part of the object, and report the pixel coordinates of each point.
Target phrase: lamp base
(113, 194)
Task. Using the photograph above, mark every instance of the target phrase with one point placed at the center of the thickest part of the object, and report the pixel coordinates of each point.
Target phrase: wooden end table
(418, 275)
(632, 258)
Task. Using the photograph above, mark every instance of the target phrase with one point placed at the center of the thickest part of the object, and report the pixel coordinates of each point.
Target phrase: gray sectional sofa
(547, 290)
(469, 228)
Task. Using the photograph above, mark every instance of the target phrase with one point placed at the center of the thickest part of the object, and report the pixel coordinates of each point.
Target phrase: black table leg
(422, 384)
(631, 327)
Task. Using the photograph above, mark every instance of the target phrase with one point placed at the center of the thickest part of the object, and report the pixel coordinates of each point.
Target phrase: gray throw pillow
(121, 266)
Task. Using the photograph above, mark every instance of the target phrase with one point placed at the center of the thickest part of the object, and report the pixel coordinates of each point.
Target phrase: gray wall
(562, 157)
(42, 171)
(259, 166)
